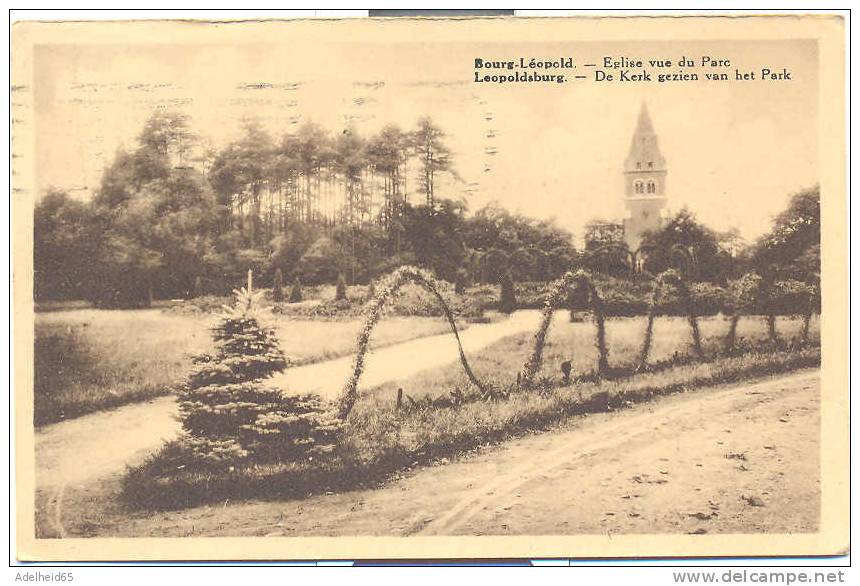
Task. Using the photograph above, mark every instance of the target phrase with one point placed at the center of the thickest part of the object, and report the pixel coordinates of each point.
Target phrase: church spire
(644, 125)
(645, 183)
(645, 152)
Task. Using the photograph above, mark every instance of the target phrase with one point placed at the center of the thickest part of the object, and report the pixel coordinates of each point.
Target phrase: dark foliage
(792, 249)
(688, 246)
(507, 296)
(340, 289)
(278, 286)
(296, 291)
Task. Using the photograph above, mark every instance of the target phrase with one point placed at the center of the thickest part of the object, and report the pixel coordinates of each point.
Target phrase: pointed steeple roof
(644, 125)
(645, 152)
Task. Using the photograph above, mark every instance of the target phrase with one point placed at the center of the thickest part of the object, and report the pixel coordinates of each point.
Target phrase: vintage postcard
(430, 288)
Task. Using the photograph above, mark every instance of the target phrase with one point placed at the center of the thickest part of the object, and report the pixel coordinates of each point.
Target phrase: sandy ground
(96, 448)
(730, 459)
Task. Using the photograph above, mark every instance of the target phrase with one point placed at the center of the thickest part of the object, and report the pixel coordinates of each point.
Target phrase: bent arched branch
(554, 299)
(670, 278)
(395, 281)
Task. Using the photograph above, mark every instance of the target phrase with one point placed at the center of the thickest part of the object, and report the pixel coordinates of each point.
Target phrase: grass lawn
(501, 361)
(89, 359)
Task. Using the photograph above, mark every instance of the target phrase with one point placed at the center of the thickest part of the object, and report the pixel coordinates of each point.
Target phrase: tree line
(173, 217)
(790, 250)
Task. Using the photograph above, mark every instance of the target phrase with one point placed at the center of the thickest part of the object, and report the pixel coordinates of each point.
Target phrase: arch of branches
(752, 290)
(389, 287)
(748, 289)
(572, 281)
(558, 293)
(670, 278)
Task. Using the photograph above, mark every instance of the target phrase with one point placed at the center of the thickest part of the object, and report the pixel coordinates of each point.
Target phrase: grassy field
(88, 359)
(500, 362)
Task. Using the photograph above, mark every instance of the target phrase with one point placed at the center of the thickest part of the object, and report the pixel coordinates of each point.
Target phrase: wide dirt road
(731, 459)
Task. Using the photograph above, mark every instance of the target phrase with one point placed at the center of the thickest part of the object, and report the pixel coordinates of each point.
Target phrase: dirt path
(401, 361)
(100, 445)
(731, 459)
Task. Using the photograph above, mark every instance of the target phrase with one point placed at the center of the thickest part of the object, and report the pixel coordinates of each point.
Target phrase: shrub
(460, 281)
(618, 302)
(198, 305)
(531, 294)
(62, 356)
(229, 414)
(296, 291)
(507, 297)
(340, 290)
(743, 293)
(791, 297)
(278, 287)
(415, 300)
(709, 299)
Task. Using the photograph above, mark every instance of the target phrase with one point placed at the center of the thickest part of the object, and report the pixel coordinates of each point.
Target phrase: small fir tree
(296, 291)
(230, 414)
(340, 289)
(278, 287)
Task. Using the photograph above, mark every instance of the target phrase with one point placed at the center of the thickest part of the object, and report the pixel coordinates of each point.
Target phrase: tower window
(650, 164)
(638, 165)
(639, 187)
(652, 187)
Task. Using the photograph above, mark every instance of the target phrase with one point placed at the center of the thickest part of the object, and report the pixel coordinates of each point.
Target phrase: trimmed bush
(507, 297)
(340, 288)
(296, 291)
(278, 287)
(460, 281)
(709, 299)
(618, 302)
(792, 297)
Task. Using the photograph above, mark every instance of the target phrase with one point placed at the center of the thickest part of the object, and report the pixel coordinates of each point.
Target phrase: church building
(645, 183)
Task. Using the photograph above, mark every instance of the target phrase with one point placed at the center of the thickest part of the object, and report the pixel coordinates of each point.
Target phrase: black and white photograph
(552, 287)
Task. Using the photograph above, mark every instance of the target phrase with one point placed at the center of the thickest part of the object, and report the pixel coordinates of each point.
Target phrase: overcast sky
(735, 151)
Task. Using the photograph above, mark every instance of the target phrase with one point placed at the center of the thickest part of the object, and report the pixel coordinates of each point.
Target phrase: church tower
(645, 182)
